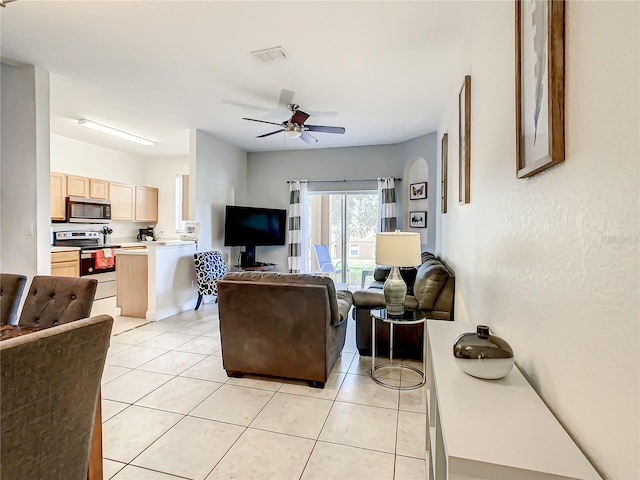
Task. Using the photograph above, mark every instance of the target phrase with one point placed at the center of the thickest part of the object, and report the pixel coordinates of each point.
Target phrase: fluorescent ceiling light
(114, 132)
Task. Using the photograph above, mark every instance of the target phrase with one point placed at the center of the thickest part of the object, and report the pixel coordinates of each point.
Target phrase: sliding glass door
(342, 234)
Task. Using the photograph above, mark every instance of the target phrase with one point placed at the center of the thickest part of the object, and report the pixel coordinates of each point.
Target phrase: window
(179, 203)
(354, 250)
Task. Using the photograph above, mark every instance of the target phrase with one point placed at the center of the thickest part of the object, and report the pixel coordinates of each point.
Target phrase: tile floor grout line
(217, 354)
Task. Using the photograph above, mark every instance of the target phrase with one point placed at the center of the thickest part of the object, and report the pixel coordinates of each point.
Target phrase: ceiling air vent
(268, 55)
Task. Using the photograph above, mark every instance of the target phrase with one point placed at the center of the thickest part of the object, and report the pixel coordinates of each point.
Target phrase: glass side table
(410, 317)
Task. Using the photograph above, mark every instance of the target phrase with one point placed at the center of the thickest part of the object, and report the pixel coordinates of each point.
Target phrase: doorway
(344, 222)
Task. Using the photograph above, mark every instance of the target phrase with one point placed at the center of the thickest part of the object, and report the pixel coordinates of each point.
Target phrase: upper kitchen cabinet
(147, 204)
(77, 186)
(58, 192)
(98, 188)
(129, 202)
(123, 201)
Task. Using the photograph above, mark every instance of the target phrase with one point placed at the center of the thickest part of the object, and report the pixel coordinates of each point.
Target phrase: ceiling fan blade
(261, 121)
(270, 133)
(286, 97)
(324, 129)
(308, 138)
(246, 105)
(299, 117)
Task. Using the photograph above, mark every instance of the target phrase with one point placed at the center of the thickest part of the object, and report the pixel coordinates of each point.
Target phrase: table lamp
(397, 249)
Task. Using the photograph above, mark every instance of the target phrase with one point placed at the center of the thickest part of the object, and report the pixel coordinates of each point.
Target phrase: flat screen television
(250, 227)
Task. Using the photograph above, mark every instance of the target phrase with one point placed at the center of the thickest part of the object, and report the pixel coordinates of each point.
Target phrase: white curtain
(297, 226)
(387, 212)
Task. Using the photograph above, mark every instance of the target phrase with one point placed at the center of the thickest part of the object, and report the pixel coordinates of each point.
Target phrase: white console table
(490, 429)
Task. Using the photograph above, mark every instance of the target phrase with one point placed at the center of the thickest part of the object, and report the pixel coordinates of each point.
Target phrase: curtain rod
(336, 181)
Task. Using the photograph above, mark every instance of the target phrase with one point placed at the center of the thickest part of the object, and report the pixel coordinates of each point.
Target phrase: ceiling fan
(295, 127)
(4, 2)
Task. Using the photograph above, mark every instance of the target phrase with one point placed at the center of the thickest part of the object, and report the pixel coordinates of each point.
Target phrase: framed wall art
(418, 191)
(443, 179)
(418, 219)
(539, 85)
(464, 142)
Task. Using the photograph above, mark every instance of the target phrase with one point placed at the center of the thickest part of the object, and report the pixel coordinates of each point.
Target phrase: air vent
(268, 55)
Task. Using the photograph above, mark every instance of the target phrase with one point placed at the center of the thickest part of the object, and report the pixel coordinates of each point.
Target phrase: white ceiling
(161, 68)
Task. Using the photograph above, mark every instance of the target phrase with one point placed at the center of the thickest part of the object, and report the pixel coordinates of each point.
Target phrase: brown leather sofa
(283, 325)
(432, 292)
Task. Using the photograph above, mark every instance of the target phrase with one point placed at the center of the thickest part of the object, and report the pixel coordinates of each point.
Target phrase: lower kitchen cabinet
(65, 264)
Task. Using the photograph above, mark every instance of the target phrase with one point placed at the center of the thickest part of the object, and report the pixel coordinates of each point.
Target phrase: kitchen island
(157, 281)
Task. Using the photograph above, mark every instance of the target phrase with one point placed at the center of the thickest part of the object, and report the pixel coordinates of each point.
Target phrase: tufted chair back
(56, 300)
(210, 267)
(11, 287)
(50, 384)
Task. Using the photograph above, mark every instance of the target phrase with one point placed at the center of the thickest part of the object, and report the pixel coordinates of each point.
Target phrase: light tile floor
(170, 412)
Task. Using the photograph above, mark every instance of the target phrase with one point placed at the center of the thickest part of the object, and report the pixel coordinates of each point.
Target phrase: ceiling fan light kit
(293, 131)
(295, 127)
(114, 131)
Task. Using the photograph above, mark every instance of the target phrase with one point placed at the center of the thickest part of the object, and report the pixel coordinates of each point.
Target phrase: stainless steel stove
(97, 260)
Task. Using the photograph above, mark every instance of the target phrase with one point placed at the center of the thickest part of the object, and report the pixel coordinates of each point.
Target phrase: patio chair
(325, 264)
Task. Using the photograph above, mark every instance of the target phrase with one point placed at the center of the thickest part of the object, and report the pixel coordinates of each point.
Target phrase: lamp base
(395, 291)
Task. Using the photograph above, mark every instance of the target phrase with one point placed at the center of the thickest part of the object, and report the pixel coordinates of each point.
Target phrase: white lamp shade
(398, 249)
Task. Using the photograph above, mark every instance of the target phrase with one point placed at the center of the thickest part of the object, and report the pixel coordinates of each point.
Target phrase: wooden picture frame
(418, 219)
(464, 142)
(444, 154)
(418, 191)
(539, 92)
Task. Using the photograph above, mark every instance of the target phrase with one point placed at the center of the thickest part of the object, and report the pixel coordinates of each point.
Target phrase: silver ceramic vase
(483, 355)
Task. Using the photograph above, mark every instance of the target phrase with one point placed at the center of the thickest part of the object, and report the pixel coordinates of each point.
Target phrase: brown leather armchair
(283, 325)
(11, 287)
(56, 300)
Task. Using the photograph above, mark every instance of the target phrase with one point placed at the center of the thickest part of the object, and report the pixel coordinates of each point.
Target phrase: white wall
(24, 219)
(161, 172)
(420, 155)
(268, 172)
(551, 263)
(219, 173)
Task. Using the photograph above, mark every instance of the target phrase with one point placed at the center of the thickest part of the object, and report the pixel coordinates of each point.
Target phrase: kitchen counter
(131, 251)
(129, 244)
(158, 281)
(64, 249)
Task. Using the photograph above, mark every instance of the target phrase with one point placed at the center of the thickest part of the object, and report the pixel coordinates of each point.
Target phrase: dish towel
(105, 258)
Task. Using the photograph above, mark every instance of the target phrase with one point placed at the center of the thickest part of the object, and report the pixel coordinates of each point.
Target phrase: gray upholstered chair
(56, 300)
(210, 267)
(48, 399)
(11, 287)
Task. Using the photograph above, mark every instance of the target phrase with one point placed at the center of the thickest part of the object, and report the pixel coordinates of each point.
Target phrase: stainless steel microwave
(88, 210)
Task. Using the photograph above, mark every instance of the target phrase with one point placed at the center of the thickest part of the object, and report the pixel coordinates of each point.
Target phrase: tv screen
(254, 226)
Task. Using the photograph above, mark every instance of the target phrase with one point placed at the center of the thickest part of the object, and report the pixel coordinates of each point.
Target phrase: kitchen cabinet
(98, 188)
(77, 186)
(58, 192)
(65, 264)
(123, 199)
(147, 204)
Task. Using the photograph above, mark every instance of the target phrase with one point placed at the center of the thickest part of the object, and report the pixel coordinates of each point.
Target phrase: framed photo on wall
(539, 85)
(418, 219)
(464, 143)
(443, 179)
(418, 191)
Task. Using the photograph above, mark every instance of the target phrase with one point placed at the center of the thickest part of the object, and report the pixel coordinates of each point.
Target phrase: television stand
(257, 267)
